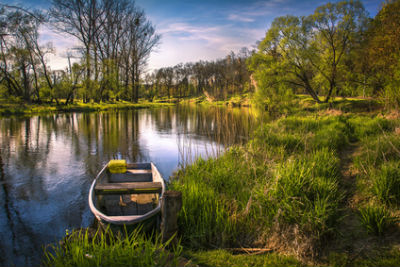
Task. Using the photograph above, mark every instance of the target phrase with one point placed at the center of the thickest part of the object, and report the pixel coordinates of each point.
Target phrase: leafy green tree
(307, 54)
(337, 27)
(382, 53)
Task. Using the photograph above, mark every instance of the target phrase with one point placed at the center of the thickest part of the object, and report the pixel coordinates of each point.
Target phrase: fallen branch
(250, 251)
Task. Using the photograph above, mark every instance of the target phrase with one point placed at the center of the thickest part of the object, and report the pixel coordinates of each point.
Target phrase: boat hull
(119, 214)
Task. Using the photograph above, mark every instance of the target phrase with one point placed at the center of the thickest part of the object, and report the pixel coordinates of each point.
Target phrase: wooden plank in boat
(130, 177)
(138, 171)
(128, 188)
(139, 166)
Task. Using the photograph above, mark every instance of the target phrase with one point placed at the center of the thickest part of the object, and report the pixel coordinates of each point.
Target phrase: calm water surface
(47, 163)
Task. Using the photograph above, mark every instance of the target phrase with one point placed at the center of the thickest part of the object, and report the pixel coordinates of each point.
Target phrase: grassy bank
(300, 104)
(7, 109)
(322, 186)
(317, 186)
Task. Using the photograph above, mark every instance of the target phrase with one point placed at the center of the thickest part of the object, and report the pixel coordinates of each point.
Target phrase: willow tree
(307, 53)
(336, 27)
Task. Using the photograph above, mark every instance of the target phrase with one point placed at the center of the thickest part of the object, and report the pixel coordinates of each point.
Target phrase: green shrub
(377, 219)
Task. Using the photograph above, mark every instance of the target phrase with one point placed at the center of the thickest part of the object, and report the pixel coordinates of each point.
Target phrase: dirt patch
(331, 112)
(393, 115)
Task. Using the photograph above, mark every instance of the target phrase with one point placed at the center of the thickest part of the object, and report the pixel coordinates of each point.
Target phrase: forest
(338, 51)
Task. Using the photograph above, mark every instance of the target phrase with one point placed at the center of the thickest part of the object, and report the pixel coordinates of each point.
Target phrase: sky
(193, 30)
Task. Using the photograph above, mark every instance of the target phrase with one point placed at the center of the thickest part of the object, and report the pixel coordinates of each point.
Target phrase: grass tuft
(377, 219)
(386, 182)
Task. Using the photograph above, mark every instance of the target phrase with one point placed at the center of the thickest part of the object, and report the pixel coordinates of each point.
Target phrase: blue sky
(200, 29)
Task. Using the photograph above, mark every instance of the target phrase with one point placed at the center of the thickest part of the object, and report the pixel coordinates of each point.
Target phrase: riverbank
(321, 187)
(9, 109)
(300, 104)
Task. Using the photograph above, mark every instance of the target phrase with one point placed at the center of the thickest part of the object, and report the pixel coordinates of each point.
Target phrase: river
(48, 162)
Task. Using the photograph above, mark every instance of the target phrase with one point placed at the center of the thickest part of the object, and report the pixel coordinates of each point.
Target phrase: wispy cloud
(236, 17)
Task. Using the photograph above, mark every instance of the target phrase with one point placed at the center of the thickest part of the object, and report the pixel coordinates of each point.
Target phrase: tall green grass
(306, 199)
(378, 166)
(285, 179)
(364, 126)
(377, 219)
(215, 193)
(109, 249)
(376, 150)
(386, 182)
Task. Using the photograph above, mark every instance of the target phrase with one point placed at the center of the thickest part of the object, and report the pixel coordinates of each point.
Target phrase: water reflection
(47, 163)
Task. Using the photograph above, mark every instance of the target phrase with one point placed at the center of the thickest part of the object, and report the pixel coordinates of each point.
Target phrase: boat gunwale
(121, 219)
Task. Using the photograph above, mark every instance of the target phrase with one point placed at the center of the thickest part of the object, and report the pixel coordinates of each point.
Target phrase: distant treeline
(216, 79)
(337, 51)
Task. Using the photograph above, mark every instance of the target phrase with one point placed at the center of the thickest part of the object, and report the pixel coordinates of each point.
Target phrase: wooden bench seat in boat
(131, 175)
(128, 188)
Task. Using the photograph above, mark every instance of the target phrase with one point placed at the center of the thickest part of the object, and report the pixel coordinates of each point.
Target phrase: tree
(21, 56)
(337, 27)
(285, 59)
(117, 39)
(382, 52)
(308, 53)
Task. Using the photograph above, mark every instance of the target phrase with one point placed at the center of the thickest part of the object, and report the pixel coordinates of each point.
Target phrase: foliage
(308, 53)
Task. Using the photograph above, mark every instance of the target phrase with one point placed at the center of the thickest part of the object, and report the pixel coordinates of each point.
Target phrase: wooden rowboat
(127, 198)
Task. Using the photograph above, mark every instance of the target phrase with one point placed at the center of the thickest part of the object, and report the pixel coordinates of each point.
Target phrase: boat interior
(131, 193)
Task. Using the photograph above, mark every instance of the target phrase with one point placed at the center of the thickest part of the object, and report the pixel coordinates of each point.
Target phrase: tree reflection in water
(47, 163)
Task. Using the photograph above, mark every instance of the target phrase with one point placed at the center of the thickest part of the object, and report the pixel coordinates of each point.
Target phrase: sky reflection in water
(47, 163)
